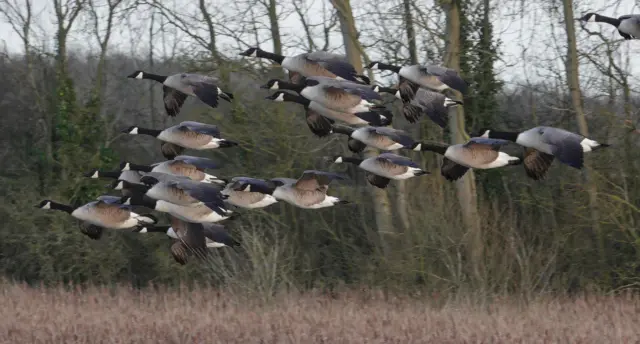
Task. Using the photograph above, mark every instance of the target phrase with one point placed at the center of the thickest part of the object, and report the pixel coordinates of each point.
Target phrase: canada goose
(480, 153)
(317, 63)
(307, 192)
(545, 143)
(384, 167)
(170, 150)
(317, 123)
(182, 165)
(407, 89)
(92, 231)
(206, 212)
(215, 235)
(377, 116)
(434, 77)
(184, 192)
(339, 95)
(188, 134)
(106, 214)
(239, 193)
(177, 87)
(433, 104)
(628, 25)
(384, 138)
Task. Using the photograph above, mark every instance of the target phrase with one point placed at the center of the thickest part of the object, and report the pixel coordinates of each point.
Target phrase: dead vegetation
(124, 315)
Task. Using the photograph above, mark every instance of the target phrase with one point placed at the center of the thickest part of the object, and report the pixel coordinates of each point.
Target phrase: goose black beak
(264, 86)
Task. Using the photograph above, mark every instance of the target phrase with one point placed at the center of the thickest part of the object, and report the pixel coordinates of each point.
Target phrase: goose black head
(482, 132)
(277, 97)
(132, 130)
(272, 84)
(93, 174)
(253, 52)
(589, 17)
(136, 75)
(44, 204)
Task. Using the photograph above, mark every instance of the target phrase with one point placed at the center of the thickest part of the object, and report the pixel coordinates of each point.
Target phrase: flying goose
(239, 193)
(478, 152)
(170, 150)
(384, 167)
(628, 25)
(103, 213)
(179, 191)
(215, 235)
(92, 231)
(384, 138)
(339, 95)
(187, 134)
(307, 192)
(206, 212)
(434, 77)
(544, 144)
(433, 104)
(317, 63)
(177, 87)
(377, 116)
(182, 165)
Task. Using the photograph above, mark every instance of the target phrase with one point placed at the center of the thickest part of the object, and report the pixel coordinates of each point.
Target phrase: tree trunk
(401, 191)
(573, 81)
(382, 206)
(465, 186)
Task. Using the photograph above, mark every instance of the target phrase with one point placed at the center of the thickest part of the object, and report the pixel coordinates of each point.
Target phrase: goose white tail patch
(140, 75)
(588, 145)
(213, 244)
(172, 233)
(145, 219)
(448, 101)
(418, 147)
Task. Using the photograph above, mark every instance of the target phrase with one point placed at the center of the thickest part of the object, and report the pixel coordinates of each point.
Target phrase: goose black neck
(150, 132)
(143, 201)
(604, 19)
(351, 160)
(290, 86)
(109, 174)
(62, 207)
(271, 56)
(296, 99)
(156, 77)
(504, 135)
(135, 187)
(387, 90)
(340, 129)
(158, 229)
(141, 168)
(436, 147)
(386, 66)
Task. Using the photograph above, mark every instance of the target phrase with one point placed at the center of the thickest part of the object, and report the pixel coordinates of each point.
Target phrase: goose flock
(337, 101)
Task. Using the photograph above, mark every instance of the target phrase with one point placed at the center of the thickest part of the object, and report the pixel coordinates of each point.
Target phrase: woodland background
(65, 99)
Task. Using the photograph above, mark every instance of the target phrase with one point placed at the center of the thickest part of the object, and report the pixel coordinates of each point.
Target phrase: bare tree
(465, 186)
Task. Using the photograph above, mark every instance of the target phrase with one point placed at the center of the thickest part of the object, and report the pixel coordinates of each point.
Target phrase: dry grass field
(205, 316)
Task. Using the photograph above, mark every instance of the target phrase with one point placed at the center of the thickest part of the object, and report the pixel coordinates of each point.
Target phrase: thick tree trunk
(465, 186)
(573, 81)
(381, 202)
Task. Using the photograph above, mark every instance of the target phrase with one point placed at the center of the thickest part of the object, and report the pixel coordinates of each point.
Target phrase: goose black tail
(226, 96)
